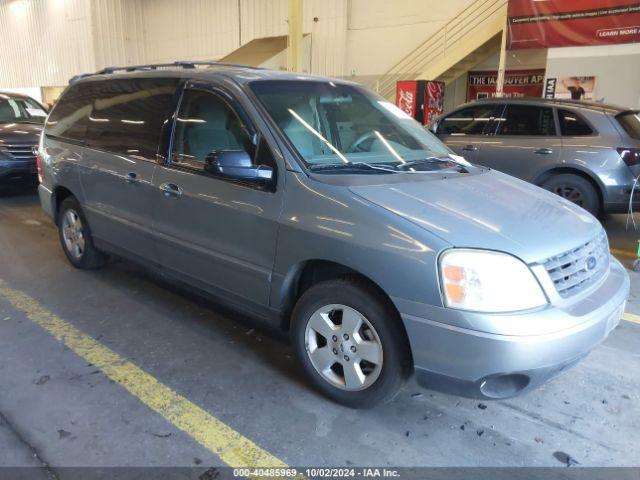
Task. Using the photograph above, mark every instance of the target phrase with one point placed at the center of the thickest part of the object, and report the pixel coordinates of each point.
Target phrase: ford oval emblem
(591, 262)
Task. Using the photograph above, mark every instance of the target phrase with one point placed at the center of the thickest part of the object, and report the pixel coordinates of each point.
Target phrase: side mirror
(236, 164)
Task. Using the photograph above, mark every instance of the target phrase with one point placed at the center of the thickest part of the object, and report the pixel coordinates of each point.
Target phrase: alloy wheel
(344, 347)
(72, 234)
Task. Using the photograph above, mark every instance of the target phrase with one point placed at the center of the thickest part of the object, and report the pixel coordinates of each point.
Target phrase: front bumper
(489, 365)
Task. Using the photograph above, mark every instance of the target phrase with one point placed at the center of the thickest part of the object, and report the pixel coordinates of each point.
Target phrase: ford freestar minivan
(322, 209)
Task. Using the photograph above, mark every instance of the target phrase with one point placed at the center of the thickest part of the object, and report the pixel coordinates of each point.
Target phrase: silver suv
(322, 209)
(588, 153)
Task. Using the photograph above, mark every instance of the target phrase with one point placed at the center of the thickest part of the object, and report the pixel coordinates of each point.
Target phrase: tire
(381, 338)
(75, 236)
(576, 189)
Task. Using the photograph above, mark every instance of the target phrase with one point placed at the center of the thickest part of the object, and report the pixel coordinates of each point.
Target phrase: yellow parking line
(630, 317)
(623, 253)
(232, 448)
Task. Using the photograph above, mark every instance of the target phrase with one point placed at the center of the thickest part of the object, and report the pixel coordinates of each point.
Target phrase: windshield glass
(19, 109)
(335, 124)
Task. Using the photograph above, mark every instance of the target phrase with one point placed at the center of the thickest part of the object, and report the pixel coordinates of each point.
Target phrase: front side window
(526, 120)
(571, 124)
(468, 121)
(20, 110)
(206, 123)
(128, 115)
(333, 125)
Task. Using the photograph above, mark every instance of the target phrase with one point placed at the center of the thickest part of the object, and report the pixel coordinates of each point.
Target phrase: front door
(216, 233)
(463, 131)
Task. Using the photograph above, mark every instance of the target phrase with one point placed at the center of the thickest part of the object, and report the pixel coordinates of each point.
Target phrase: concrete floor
(57, 410)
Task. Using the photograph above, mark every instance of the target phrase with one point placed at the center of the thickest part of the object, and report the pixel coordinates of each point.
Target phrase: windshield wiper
(352, 166)
(444, 159)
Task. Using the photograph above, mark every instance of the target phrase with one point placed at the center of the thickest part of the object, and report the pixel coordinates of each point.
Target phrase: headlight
(486, 281)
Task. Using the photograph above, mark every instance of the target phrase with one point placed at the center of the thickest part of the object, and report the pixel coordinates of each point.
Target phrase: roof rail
(187, 64)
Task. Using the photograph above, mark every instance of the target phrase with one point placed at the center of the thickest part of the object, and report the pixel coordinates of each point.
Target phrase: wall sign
(517, 83)
(563, 23)
(574, 88)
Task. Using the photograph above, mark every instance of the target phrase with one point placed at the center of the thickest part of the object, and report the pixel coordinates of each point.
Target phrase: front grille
(573, 271)
(20, 152)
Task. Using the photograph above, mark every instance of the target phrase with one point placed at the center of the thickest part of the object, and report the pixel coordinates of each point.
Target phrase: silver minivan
(588, 153)
(320, 208)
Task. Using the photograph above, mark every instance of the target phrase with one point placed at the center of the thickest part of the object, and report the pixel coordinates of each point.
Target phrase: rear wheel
(75, 236)
(350, 342)
(576, 189)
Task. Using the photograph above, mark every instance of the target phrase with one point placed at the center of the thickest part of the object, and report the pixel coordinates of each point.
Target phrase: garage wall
(118, 32)
(616, 68)
(382, 32)
(43, 41)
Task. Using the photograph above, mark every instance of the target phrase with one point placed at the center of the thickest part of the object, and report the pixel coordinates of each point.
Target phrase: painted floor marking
(230, 446)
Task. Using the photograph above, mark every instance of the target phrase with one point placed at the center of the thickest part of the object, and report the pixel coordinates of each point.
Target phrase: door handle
(470, 148)
(170, 190)
(543, 151)
(131, 177)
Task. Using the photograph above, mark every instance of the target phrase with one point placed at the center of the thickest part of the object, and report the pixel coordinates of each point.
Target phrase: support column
(294, 39)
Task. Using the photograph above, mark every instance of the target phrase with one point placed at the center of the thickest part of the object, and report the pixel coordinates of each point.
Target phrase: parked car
(322, 209)
(21, 121)
(588, 153)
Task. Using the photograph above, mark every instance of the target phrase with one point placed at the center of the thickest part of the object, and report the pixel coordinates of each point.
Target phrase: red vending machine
(420, 99)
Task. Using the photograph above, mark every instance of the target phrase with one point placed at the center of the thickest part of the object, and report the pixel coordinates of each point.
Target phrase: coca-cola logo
(406, 101)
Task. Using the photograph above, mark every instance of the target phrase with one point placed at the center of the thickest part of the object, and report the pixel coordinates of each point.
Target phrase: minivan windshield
(20, 110)
(338, 127)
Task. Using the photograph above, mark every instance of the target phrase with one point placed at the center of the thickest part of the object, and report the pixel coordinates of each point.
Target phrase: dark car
(21, 121)
(588, 153)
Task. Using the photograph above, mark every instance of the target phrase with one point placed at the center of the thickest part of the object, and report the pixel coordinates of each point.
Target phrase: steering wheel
(355, 146)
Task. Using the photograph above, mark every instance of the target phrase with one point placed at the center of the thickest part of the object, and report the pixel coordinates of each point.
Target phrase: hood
(489, 210)
(20, 133)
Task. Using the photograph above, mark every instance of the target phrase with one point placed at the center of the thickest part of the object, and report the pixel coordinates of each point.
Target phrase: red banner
(517, 83)
(406, 96)
(563, 23)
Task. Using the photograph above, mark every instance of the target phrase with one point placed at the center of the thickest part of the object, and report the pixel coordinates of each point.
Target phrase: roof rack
(187, 64)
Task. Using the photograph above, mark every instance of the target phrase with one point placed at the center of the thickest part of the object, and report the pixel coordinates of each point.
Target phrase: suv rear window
(630, 121)
(572, 124)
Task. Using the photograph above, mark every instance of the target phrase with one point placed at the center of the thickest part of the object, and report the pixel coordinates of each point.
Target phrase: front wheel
(350, 342)
(575, 189)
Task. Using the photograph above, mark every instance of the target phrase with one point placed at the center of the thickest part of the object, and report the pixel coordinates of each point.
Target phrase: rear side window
(630, 121)
(128, 115)
(572, 124)
(526, 120)
(70, 116)
(468, 121)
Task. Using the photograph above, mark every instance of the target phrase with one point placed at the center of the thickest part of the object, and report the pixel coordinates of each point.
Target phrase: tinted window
(205, 123)
(630, 121)
(128, 115)
(572, 124)
(468, 121)
(19, 109)
(69, 117)
(526, 120)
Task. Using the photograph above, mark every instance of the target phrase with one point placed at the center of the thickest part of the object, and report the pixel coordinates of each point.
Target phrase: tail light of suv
(38, 153)
(631, 156)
